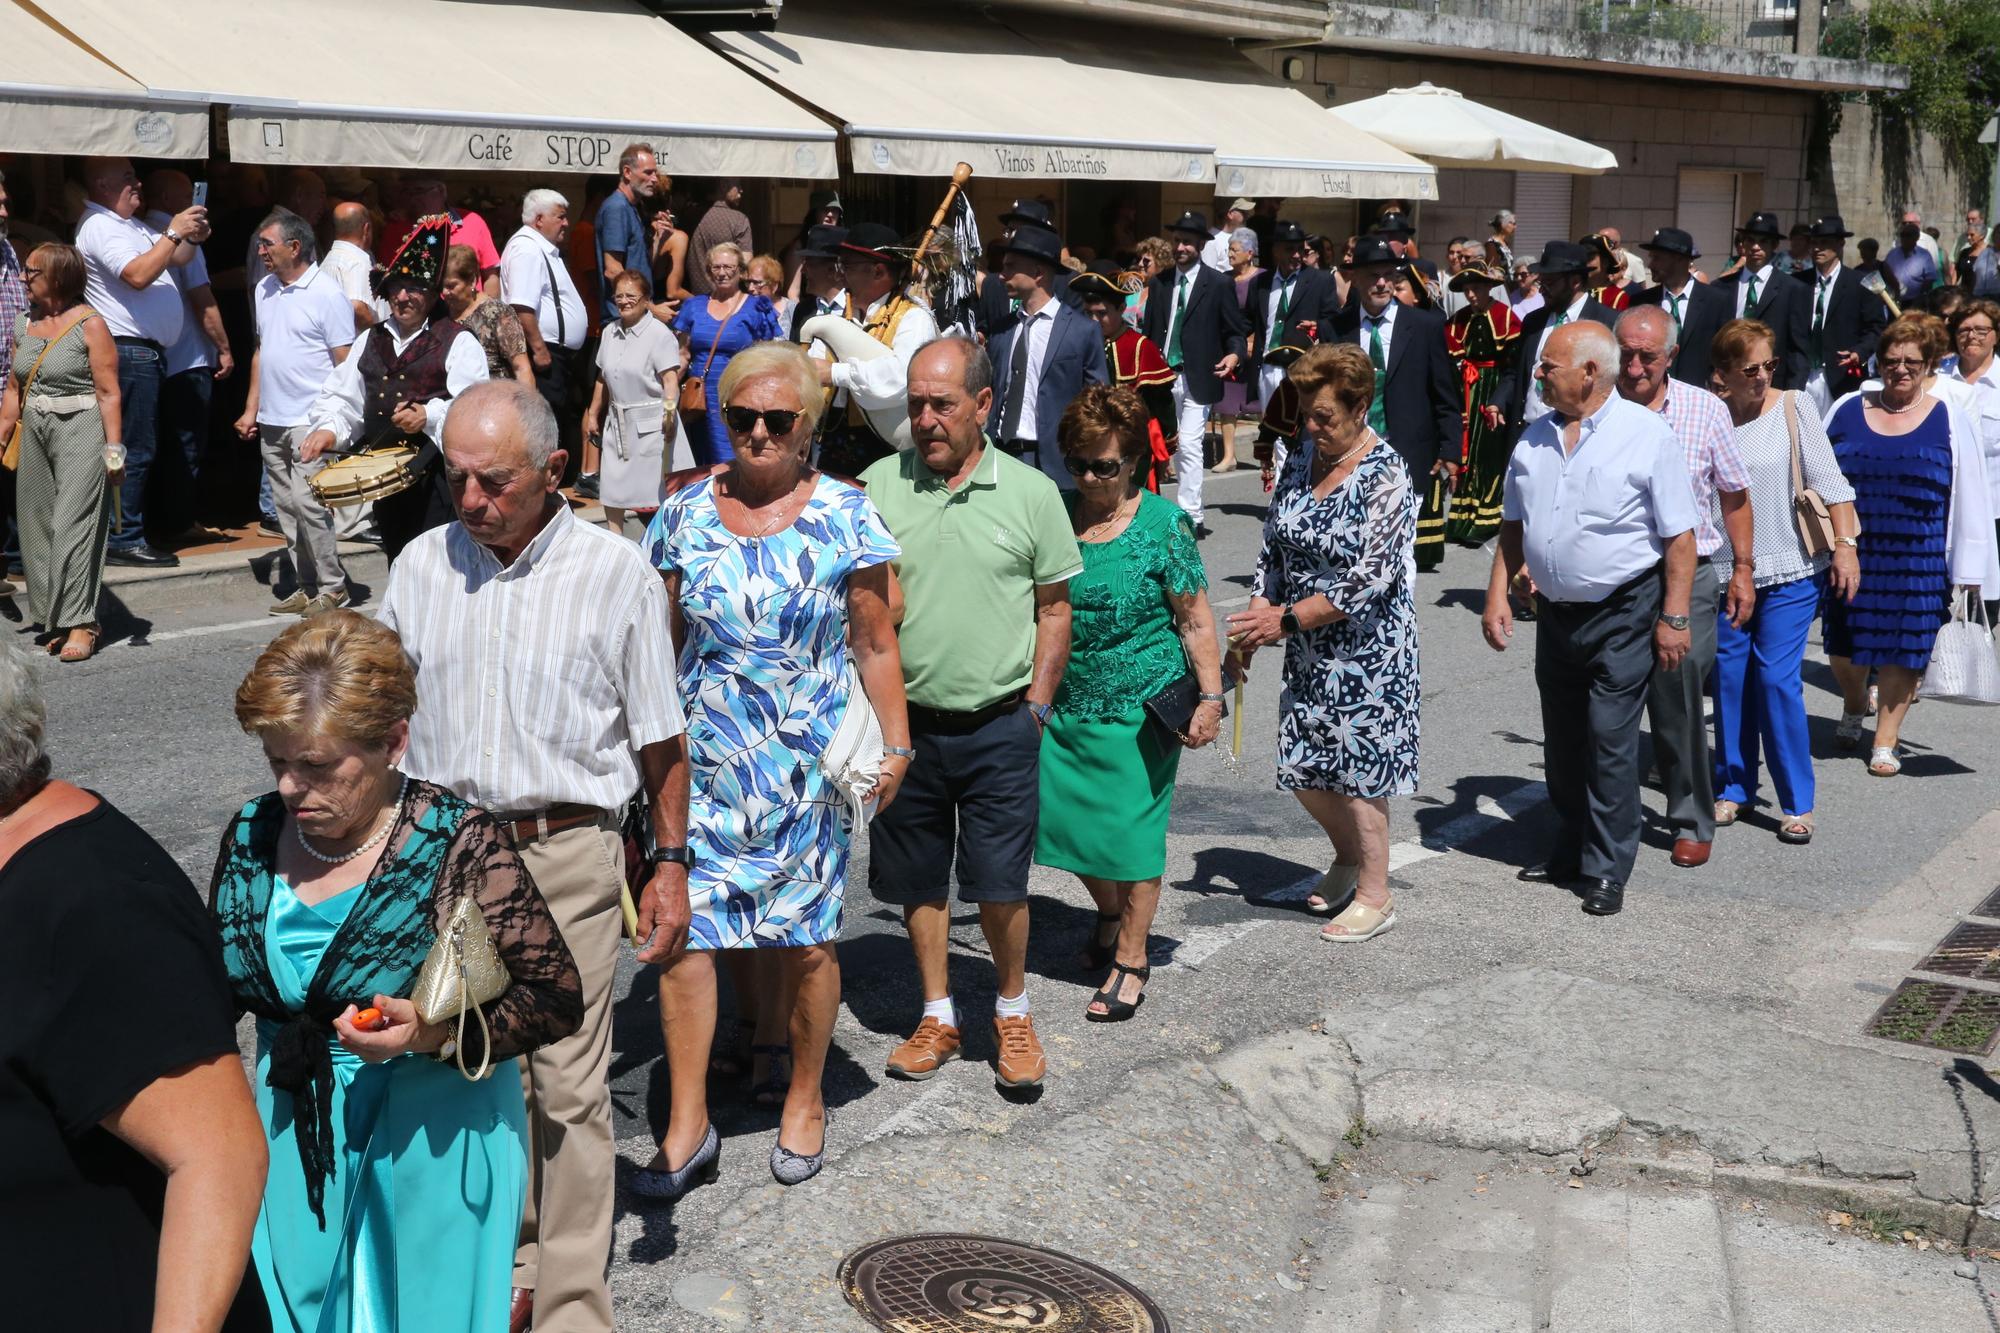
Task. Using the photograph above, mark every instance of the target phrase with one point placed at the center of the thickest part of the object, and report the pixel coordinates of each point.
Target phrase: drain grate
(1968, 951)
(1941, 1016)
(950, 1283)
(1991, 907)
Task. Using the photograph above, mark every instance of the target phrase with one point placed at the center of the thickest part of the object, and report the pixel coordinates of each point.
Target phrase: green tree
(1952, 51)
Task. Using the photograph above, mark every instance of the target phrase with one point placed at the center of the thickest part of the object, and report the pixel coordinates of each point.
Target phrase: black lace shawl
(443, 849)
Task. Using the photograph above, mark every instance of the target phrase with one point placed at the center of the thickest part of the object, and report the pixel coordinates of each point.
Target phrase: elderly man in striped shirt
(546, 694)
(1647, 342)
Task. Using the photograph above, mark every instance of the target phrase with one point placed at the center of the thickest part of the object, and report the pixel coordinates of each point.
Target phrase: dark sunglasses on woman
(1104, 469)
(777, 421)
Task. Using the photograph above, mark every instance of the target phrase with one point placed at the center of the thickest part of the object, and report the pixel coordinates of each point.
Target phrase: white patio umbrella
(1448, 130)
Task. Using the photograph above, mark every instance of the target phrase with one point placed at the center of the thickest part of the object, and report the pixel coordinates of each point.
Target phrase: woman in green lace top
(1139, 619)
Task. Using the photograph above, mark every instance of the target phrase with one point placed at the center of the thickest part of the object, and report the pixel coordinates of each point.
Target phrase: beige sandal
(1359, 922)
(1338, 882)
(81, 645)
(1726, 812)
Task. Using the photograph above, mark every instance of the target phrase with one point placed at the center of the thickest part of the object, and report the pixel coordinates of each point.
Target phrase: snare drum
(362, 477)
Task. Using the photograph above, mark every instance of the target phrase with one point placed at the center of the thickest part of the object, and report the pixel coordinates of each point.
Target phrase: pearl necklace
(1882, 405)
(1368, 439)
(373, 838)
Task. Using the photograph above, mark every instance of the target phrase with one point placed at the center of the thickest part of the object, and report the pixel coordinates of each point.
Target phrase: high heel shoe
(790, 1168)
(665, 1186)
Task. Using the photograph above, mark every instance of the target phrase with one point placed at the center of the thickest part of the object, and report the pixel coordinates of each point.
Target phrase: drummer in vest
(876, 278)
(396, 383)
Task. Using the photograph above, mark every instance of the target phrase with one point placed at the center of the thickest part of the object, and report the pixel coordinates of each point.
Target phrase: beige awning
(561, 85)
(917, 91)
(58, 97)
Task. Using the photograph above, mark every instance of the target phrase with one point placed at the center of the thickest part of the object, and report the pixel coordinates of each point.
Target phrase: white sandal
(1884, 762)
(1848, 733)
(1337, 882)
(1360, 922)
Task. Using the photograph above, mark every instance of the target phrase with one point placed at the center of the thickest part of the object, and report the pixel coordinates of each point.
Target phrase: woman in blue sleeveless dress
(396, 1183)
(713, 329)
(1920, 492)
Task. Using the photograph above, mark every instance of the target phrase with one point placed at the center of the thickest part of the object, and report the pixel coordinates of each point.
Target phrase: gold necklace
(777, 509)
(1116, 514)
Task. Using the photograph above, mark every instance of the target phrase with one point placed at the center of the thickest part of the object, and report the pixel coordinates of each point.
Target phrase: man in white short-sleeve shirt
(348, 263)
(128, 280)
(1599, 511)
(305, 326)
(536, 282)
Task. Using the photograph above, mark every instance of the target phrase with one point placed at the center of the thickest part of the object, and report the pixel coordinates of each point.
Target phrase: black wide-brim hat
(1192, 223)
(1830, 227)
(1393, 223)
(822, 242)
(1673, 241)
(1034, 242)
(1762, 224)
(419, 261)
(1028, 213)
(1371, 250)
(1561, 257)
(1288, 233)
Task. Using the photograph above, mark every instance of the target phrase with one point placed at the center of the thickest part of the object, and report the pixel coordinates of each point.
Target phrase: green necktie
(1677, 306)
(1751, 304)
(1284, 304)
(1819, 323)
(1378, 418)
(1174, 356)
(1562, 317)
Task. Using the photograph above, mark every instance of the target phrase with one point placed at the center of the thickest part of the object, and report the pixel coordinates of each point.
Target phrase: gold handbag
(462, 972)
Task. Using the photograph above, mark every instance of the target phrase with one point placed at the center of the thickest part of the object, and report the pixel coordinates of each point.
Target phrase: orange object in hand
(370, 1020)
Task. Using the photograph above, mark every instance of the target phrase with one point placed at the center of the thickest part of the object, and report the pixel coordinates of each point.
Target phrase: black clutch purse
(1173, 707)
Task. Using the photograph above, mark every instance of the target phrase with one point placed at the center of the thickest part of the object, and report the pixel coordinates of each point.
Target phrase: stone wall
(1869, 181)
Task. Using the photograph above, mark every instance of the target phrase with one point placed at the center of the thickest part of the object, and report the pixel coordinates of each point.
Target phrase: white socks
(942, 1010)
(1014, 1008)
(945, 1012)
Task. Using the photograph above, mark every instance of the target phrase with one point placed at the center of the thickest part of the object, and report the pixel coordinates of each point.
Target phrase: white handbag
(1964, 666)
(852, 759)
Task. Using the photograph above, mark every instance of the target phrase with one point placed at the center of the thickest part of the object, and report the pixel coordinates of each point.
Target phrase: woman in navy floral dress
(1335, 582)
(776, 574)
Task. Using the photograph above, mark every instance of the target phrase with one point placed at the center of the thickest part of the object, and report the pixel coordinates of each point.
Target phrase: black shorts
(977, 790)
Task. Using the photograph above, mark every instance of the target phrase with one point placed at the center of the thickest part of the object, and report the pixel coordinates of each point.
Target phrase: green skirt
(1107, 788)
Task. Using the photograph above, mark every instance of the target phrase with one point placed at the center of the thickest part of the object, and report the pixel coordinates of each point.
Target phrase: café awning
(555, 86)
(56, 96)
(1450, 130)
(916, 91)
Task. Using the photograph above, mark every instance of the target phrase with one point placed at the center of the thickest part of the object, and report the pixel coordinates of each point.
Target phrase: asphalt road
(149, 725)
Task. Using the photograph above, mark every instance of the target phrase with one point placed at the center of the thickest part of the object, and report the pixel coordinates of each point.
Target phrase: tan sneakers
(927, 1050)
(1020, 1063)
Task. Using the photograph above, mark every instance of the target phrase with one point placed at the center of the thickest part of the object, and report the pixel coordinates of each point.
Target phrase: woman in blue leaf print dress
(1335, 583)
(776, 573)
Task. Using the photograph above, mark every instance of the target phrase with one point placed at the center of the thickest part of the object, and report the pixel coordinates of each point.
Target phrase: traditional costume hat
(872, 240)
(1762, 224)
(1393, 223)
(1561, 257)
(1472, 273)
(420, 260)
(1191, 222)
(1370, 250)
(1830, 227)
(1028, 213)
(1673, 241)
(1099, 282)
(1288, 233)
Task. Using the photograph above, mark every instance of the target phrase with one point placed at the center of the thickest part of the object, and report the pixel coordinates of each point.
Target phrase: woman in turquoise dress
(396, 1182)
(1140, 622)
(713, 329)
(778, 580)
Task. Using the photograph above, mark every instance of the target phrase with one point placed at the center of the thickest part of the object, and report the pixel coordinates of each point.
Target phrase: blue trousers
(1760, 698)
(141, 375)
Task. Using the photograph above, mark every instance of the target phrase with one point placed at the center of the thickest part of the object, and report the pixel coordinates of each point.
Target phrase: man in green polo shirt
(987, 555)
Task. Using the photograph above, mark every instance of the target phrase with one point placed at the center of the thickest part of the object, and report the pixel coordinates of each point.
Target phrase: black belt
(940, 721)
(139, 342)
(1020, 448)
(1627, 586)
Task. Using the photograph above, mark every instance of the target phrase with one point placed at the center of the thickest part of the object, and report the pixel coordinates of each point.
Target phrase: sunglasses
(777, 421)
(1104, 469)
(1765, 368)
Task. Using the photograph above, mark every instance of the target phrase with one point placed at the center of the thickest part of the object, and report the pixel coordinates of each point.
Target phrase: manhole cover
(1968, 951)
(1941, 1016)
(975, 1284)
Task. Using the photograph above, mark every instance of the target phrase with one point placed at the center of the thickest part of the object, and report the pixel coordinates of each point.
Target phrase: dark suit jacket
(1855, 318)
(1214, 327)
(1313, 300)
(1785, 304)
(1529, 353)
(996, 308)
(1708, 308)
(1423, 398)
(1073, 358)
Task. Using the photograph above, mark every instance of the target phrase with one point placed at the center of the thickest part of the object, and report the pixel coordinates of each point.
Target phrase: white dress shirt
(1534, 407)
(192, 350)
(884, 382)
(1637, 275)
(300, 326)
(343, 398)
(1676, 303)
(1765, 277)
(1215, 252)
(109, 243)
(537, 682)
(1036, 329)
(1281, 284)
(1599, 517)
(534, 277)
(1985, 413)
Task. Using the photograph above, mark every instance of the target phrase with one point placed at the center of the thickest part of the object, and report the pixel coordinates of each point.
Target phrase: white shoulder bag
(853, 758)
(1964, 668)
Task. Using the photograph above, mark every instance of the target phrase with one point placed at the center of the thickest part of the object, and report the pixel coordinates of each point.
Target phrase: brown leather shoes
(1020, 1062)
(521, 1310)
(927, 1050)
(1689, 853)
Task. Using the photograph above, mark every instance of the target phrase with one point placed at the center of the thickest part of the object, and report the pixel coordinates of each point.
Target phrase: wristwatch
(173, 236)
(901, 750)
(675, 855)
(1673, 622)
(1847, 541)
(1288, 622)
(1042, 712)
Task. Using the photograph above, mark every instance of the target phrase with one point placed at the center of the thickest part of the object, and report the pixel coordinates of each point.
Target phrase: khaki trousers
(565, 1250)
